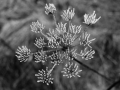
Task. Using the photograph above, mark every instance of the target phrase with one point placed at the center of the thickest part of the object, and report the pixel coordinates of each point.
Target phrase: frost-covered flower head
(68, 14)
(50, 8)
(90, 19)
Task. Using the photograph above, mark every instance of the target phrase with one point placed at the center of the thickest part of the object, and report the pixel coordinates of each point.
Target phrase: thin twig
(92, 70)
(114, 84)
(55, 21)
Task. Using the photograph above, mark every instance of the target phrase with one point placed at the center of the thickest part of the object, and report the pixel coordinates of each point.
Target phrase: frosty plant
(63, 43)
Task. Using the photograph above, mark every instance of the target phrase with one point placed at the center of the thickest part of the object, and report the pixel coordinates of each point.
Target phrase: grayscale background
(15, 19)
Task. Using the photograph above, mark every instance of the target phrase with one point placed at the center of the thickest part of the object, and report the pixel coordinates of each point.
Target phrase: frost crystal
(60, 45)
(90, 19)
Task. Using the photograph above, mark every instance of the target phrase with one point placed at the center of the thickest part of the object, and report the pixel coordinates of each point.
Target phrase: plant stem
(51, 69)
(69, 26)
(92, 70)
(114, 84)
(55, 21)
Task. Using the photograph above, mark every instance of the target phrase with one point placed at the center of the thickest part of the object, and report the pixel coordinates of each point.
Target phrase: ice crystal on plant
(59, 45)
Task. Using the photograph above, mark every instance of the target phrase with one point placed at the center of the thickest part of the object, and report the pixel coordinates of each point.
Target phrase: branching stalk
(55, 21)
(51, 69)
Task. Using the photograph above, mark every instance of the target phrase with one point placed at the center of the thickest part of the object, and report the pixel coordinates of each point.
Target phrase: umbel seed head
(61, 45)
(50, 8)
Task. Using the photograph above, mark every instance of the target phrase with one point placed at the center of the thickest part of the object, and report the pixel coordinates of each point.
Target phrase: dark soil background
(15, 19)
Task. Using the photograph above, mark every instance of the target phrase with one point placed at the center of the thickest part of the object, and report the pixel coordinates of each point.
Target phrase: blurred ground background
(15, 19)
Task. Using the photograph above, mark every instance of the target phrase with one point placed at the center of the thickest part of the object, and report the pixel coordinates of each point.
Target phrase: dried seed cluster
(61, 44)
